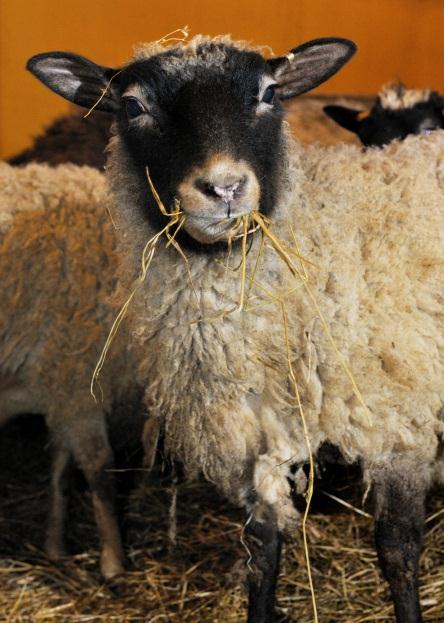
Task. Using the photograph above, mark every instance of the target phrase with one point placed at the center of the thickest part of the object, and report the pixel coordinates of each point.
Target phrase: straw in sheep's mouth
(210, 229)
(229, 217)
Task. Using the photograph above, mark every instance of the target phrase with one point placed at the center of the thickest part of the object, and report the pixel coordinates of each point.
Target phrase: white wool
(396, 96)
(374, 224)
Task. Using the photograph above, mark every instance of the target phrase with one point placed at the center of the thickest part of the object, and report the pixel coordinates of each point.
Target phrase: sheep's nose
(219, 189)
(226, 189)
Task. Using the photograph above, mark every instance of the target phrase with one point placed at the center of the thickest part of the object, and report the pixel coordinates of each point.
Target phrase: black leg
(399, 515)
(265, 544)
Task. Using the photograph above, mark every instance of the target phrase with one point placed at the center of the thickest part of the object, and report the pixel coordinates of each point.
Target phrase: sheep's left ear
(347, 118)
(77, 79)
(310, 64)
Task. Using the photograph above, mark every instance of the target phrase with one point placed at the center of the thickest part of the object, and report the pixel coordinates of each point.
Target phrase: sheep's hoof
(118, 586)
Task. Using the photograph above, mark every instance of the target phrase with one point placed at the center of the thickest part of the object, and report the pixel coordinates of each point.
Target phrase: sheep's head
(396, 113)
(205, 119)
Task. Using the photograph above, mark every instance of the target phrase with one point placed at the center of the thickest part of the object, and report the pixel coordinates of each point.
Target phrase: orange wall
(397, 39)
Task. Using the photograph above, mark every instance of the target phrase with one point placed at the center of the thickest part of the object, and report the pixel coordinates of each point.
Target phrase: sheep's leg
(55, 534)
(93, 453)
(399, 522)
(265, 544)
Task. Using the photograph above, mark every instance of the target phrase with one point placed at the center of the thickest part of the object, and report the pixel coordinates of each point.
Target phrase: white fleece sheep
(374, 224)
(205, 117)
(57, 267)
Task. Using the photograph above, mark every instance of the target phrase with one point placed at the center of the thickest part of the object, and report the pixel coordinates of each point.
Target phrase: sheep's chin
(209, 231)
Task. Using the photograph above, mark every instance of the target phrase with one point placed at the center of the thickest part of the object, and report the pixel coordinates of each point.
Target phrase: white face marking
(263, 107)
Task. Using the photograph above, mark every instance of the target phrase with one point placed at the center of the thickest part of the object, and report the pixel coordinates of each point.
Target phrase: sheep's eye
(268, 95)
(133, 107)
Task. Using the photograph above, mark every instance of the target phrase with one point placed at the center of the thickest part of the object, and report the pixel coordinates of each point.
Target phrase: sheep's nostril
(226, 192)
(205, 188)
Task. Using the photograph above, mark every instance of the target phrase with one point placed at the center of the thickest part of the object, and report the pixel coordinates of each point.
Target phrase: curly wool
(374, 224)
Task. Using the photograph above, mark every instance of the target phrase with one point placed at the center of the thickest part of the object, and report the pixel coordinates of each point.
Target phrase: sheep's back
(374, 223)
(57, 267)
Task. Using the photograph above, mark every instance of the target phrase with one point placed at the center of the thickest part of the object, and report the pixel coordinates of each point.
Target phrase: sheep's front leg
(265, 544)
(399, 522)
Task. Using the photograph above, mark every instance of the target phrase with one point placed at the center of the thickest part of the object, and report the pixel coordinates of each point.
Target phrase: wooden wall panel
(397, 39)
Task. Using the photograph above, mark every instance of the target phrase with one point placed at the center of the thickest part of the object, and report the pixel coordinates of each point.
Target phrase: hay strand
(176, 217)
(284, 254)
(104, 92)
(244, 261)
(168, 38)
(311, 474)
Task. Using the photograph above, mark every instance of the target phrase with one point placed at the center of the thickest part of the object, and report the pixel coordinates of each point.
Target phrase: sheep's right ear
(310, 64)
(77, 79)
(347, 118)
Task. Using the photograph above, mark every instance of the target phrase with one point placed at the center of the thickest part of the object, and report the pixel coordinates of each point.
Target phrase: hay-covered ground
(202, 580)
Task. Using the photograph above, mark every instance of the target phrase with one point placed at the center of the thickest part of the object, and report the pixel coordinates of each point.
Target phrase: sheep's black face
(204, 118)
(208, 128)
(392, 120)
(384, 126)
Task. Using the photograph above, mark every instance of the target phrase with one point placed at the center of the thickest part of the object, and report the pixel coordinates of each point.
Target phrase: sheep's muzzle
(214, 197)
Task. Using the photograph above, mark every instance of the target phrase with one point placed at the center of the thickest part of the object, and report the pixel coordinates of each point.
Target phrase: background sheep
(396, 113)
(206, 119)
(71, 138)
(57, 266)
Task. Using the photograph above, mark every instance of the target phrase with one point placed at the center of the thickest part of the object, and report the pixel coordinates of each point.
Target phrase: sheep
(71, 138)
(57, 266)
(396, 113)
(243, 357)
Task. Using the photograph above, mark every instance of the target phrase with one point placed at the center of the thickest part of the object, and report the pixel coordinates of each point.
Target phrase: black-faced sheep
(58, 269)
(396, 113)
(205, 119)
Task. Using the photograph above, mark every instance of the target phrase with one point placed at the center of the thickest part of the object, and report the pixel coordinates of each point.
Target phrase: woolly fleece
(58, 269)
(373, 222)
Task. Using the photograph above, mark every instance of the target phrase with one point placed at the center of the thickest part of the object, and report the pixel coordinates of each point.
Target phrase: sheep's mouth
(207, 229)
(229, 215)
